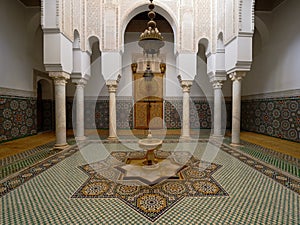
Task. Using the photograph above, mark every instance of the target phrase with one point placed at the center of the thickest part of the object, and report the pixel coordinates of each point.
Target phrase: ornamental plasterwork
(83, 36)
(93, 19)
(110, 30)
(239, 75)
(76, 16)
(58, 10)
(90, 19)
(203, 20)
(229, 25)
(187, 40)
(67, 15)
(241, 19)
(221, 16)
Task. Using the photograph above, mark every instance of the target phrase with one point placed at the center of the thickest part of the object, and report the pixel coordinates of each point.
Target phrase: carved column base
(60, 146)
(236, 145)
(81, 138)
(112, 139)
(185, 138)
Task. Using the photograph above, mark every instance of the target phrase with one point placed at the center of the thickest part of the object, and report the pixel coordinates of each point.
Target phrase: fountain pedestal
(150, 144)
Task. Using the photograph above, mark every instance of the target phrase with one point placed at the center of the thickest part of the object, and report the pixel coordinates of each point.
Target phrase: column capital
(238, 75)
(186, 85)
(112, 85)
(217, 84)
(60, 78)
(79, 82)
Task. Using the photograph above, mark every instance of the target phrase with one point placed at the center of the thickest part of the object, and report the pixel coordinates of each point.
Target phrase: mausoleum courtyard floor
(200, 181)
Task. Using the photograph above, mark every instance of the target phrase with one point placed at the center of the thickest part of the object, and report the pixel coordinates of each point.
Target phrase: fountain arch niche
(148, 97)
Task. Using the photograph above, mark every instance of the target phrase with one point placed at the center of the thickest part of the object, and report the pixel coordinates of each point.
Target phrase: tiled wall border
(275, 114)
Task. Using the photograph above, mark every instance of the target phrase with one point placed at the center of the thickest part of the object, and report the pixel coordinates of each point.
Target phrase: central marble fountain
(150, 170)
(149, 145)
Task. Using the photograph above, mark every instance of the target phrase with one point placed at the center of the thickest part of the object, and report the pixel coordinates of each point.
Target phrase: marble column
(112, 86)
(236, 77)
(60, 80)
(218, 95)
(186, 87)
(80, 84)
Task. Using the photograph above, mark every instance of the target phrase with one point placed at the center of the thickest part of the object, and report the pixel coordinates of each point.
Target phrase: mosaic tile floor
(257, 193)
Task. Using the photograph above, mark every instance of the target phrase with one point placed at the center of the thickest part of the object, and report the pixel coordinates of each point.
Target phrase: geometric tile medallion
(150, 191)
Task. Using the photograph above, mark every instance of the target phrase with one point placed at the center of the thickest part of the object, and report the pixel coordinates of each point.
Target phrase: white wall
(20, 44)
(96, 84)
(276, 65)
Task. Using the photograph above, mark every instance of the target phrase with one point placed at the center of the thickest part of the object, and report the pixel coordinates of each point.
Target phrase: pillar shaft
(186, 87)
(112, 86)
(218, 95)
(60, 108)
(80, 84)
(236, 77)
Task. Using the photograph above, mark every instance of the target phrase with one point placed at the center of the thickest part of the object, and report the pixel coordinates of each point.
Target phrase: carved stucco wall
(192, 20)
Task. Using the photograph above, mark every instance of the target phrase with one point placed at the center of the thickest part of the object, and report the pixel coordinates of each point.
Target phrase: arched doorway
(45, 107)
(148, 95)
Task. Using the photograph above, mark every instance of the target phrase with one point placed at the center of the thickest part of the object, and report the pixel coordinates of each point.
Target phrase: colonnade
(60, 80)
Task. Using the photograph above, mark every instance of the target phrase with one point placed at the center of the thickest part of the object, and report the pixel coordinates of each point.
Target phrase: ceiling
(267, 5)
(139, 23)
(31, 2)
(260, 5)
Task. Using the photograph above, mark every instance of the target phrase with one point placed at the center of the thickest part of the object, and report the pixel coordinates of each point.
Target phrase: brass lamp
(151, 39)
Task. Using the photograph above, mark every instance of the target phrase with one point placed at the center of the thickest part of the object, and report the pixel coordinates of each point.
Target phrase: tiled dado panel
(17, 117)
(200, 114)
(173, 114)
(96, 113)
(48, 119)
(277, 117)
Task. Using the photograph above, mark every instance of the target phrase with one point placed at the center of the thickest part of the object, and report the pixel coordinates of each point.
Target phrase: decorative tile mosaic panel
(173, 112)
(100, 110)
(200, 114)
(17, 117)
(124, 114)
(277, 117)
(97, 114)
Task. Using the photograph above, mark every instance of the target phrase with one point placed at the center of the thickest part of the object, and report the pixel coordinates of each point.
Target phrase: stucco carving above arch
(142, 6)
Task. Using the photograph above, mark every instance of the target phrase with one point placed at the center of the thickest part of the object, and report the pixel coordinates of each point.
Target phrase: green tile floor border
(17, 162)
(23, 160)
(281, 161)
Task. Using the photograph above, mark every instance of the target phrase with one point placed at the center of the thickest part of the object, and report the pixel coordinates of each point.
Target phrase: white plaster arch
(140, 7)
(262, 29)
(47, 87)
(76, 42)
(206, 43)
(220, 41)
(90, 41)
